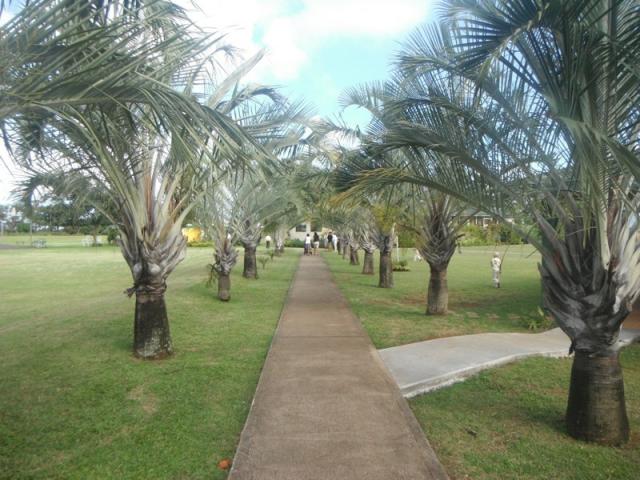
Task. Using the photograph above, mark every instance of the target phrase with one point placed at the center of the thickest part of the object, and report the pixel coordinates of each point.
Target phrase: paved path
(325, 407)
(425, 366)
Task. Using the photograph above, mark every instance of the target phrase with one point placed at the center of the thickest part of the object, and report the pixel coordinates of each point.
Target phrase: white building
(299, 232)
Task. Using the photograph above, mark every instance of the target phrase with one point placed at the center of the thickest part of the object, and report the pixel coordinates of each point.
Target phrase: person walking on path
(330, 241)
(316, 242)
(307, 245)
(496, 268)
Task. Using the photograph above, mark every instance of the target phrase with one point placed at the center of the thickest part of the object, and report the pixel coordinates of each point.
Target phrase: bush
(263, 260)
(401, 266)
(474, 235)
(199, 244)
(293, 242)
(112, 234)
(406, 238)
(494, 233)
(542, 321)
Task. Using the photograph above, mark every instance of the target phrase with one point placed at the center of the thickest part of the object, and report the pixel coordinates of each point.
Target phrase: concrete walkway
(425, 366)
(325, 406)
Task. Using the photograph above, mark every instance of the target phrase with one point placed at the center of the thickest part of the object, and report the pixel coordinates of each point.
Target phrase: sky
(314, 49)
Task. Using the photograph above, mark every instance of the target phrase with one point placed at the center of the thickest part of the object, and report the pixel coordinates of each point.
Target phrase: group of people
(312, 244)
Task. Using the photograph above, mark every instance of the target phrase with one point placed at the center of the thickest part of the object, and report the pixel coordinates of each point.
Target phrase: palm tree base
(224, 287)
(250, 264)
(151, 334)
(596, 410)
(437, 293)
(353, 256)
(386, 271)
(367, 264)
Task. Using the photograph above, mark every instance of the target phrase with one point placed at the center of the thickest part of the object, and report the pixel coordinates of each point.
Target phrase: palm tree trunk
(151, 335)
(438, 292)
(224, 287)
(596, 410)
(367, 265)
(344, 250)
(386, 271)
(250, 264)
(353, 256)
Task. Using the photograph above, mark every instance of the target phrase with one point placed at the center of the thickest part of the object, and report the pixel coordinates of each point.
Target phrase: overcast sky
(314, 48)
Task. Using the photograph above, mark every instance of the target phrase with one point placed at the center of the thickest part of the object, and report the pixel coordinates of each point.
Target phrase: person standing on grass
(307, 245)
(335, 242)
(316, 242)
(496, 268)
(267, 240)
(330, 241)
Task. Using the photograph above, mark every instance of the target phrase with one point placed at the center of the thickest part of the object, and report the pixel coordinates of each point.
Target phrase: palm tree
(438, 234)
(148, 156)
(369, 248)
(383, 236)
(256, 203)
(354, 245)
(59, 56)
(225, 257)
(536, 104)
(214, 212)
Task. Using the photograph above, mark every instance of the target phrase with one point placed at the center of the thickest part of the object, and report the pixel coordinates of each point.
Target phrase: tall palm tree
(214, 213)
(147, 156)
(537, 104)
(354, 245)
(438, 233)
(435, 217)
(368, 246)
(256, 203)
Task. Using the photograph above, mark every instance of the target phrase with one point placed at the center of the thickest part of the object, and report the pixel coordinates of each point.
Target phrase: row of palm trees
(528, 105)
(132, 99)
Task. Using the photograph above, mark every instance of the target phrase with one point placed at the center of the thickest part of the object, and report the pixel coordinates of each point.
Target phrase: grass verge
(397, 316)
(76, 404)
(508, 423)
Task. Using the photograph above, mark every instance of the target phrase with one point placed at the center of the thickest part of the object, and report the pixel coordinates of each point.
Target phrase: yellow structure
(193, 234)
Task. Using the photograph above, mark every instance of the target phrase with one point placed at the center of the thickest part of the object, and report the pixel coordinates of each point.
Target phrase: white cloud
(291, 30)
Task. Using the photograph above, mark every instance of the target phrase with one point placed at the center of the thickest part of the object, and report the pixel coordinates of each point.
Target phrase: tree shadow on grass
(545, 414)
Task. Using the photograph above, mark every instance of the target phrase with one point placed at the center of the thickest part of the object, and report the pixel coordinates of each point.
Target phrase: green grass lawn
(397, 316)
(52, 240)
(75, 404)
(508, 423)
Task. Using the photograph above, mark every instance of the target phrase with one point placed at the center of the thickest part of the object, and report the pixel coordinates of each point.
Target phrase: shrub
(540, 322)
(112, 234)
(406, 238)
(494, 233)
(401, 266)
(263, 259)
(474, 235)
(293, 242)
(200, 244)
